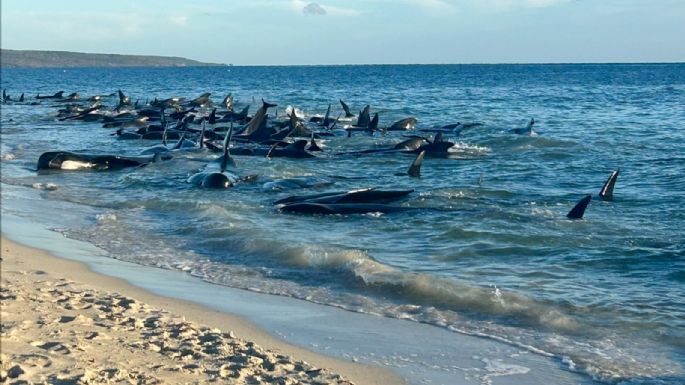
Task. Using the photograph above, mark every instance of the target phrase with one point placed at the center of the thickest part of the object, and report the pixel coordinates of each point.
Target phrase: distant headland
(10, 58)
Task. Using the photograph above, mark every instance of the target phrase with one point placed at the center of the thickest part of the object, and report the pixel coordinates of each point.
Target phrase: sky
(294, 32)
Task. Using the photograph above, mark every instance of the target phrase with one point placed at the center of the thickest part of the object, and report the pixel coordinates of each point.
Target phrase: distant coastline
(10, 58)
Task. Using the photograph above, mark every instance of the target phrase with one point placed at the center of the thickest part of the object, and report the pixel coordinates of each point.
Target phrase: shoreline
(361, 347)
(23, 265)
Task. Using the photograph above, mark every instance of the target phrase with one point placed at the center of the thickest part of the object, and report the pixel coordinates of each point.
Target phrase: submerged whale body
(64, 160)
(213, 179)
(296, 149)
(527, 130)
(295, 183)
(403, 124)
(341, 208)
(215, 174)
(56, 95)
(346, 202)
(368, 195)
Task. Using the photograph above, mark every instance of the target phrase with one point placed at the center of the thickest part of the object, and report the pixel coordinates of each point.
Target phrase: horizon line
(344, 64)
(360, 64)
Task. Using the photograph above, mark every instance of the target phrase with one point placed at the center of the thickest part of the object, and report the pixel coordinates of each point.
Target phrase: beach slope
(63, 323)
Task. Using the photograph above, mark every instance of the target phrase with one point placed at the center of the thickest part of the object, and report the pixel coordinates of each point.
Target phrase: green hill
(10, 58)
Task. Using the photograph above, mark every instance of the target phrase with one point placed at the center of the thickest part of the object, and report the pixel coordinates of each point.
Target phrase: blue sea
(488, 250)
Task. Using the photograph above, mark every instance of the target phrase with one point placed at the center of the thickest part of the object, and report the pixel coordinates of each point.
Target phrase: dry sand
(64, 324)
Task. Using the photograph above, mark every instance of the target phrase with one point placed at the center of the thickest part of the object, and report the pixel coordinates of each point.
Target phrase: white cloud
(100, 26)
(448, 7)
(181, 21)
(338, 11)
(313, 9)
(435, 7)
(506, 5)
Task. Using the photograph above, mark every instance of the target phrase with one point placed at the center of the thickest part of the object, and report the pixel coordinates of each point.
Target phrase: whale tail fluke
(578, 210)
(607, 191)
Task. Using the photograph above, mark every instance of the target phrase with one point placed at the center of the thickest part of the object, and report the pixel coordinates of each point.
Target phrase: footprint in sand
(5, 295)
(13, 372)
(52, 347)
(97, 336)
(34, 360)
(77, 305)
(66, 318)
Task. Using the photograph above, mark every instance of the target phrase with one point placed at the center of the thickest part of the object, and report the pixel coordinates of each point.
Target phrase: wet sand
(63, 323)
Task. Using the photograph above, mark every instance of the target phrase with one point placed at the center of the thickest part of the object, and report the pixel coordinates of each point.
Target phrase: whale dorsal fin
(373, 124)
(346, 108)
(438, 138)
(245, 111)
(166, 127)
(226, 159)
(312, 144)
(364, 119)
(123, 99)
(293, 119)
(212, 117)
(579, 209)
(415, 168)
(180, 142)
(258, 121)
(228, 102)
(327, 116)
(335, 122)
(607, 191)
(202, 135)
(266, 104)
(529, 127)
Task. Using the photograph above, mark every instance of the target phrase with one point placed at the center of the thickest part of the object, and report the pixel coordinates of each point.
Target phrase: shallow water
(490, 252)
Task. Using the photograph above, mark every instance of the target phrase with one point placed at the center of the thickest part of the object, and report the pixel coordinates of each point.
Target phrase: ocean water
(488, 251)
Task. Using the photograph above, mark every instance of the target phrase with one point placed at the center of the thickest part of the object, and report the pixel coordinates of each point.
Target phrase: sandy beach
(62, 323)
